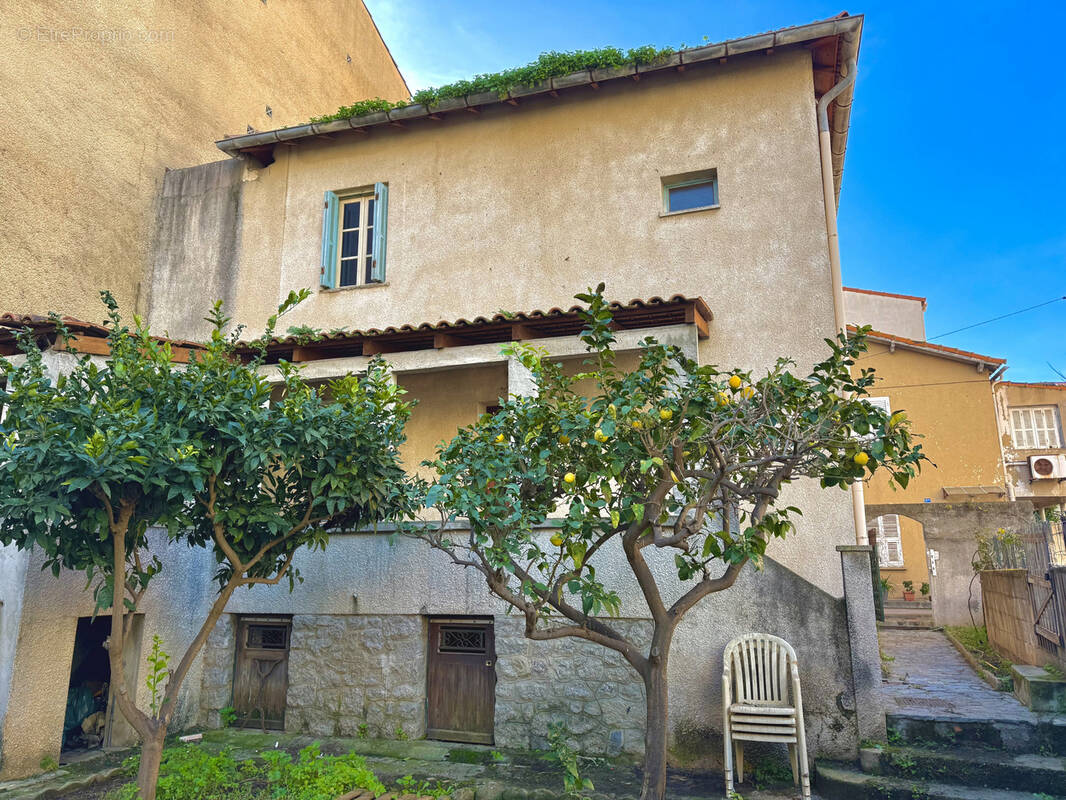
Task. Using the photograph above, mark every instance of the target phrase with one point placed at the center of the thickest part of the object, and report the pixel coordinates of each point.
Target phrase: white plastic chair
(759, 669)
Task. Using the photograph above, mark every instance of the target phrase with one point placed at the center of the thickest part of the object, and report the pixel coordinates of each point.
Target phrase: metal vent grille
(456, 639)
(268, 637)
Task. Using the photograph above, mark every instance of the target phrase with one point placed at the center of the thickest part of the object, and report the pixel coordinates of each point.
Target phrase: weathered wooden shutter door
(381, 220)
(330, 220)
(461, 681)
(261, 673)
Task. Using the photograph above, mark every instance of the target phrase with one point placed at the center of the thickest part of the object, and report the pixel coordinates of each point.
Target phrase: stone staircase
(908, 614)
(955, 759)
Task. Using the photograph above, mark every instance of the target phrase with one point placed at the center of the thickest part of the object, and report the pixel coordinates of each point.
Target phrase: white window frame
(886, 533)
(365, 254)
(704, 177)
(1035, 427)
(882, 403)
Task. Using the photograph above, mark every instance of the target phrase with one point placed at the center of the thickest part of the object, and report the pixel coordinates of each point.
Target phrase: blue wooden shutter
(330, 220)
(381, 222)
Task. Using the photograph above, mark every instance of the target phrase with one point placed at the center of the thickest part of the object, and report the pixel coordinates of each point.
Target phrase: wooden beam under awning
(99, 346)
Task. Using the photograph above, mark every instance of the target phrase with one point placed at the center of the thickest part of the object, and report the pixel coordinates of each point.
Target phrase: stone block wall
(216, 690)
(590, 688)
(352, 670)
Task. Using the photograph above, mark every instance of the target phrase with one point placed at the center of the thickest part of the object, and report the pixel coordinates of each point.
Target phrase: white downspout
(858, 500)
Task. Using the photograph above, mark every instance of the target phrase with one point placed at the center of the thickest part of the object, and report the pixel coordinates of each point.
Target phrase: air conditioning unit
(1047, 467)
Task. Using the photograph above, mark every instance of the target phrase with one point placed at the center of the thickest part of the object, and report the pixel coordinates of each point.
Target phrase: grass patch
(975, 640)
(189, 771)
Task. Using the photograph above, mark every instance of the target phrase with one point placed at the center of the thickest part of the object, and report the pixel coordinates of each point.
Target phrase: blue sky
(953, 184)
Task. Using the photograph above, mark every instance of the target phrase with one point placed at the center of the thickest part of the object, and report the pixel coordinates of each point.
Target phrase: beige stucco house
(694, 189)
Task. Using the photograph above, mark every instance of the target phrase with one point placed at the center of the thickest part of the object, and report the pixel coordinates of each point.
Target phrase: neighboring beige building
(947, 394)
(101, 99)
(414, 229)
(1034, 451)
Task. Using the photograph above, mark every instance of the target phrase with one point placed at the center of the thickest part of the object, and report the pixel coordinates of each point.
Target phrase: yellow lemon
(564, 439)
(748, 393)
(637, 424)
(557, 540)
(600, 436)
(665, 414)
(723, 399)
(499, 438)
(861, 459)
(735, 382)
(569, 477)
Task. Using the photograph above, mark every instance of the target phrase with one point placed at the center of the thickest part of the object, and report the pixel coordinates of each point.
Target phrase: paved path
(928, 678)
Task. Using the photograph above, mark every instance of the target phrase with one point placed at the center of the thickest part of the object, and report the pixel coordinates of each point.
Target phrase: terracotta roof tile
(929, 346)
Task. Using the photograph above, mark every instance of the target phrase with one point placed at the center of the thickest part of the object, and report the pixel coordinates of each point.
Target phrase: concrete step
(843, 782)
(907, 623)
(968, 766)
(1047, 736)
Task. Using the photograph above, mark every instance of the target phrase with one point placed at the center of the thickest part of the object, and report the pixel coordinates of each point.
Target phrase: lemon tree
(672, 455)
(90, 461)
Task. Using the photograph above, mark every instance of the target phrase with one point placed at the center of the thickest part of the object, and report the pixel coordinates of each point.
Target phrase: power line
(968, 327)
(996, 319)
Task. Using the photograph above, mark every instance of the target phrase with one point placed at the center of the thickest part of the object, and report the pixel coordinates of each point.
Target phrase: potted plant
(908, 590)
(924, 589)
(886, 587)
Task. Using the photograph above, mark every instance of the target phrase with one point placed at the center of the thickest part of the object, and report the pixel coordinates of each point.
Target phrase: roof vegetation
(548, 65)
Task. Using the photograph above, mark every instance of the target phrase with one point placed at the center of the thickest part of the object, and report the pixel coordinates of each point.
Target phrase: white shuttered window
(889, 543)
(1035, 428)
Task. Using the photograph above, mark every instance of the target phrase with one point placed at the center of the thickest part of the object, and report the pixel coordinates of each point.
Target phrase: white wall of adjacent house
(900, 316)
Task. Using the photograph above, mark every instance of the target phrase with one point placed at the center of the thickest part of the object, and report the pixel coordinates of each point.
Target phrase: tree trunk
(151, 755)
(656, 725)
(655, 736)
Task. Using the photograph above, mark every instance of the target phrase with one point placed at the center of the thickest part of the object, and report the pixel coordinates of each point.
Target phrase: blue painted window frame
(331, 226)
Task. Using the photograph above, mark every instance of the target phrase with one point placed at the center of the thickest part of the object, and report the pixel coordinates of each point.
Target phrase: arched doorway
(905, 565)
(950, 533)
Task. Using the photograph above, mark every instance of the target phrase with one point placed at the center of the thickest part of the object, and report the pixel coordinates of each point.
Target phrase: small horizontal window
(690, 191)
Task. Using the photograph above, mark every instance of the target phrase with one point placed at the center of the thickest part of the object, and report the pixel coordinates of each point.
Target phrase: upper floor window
(1035, 427)
(354, 227)
(690, 191)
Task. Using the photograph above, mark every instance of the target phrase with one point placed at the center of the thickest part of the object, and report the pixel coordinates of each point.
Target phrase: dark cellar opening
(90, 678)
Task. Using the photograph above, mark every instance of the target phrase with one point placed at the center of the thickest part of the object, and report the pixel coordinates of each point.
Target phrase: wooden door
(461, 685)
(261, 675)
